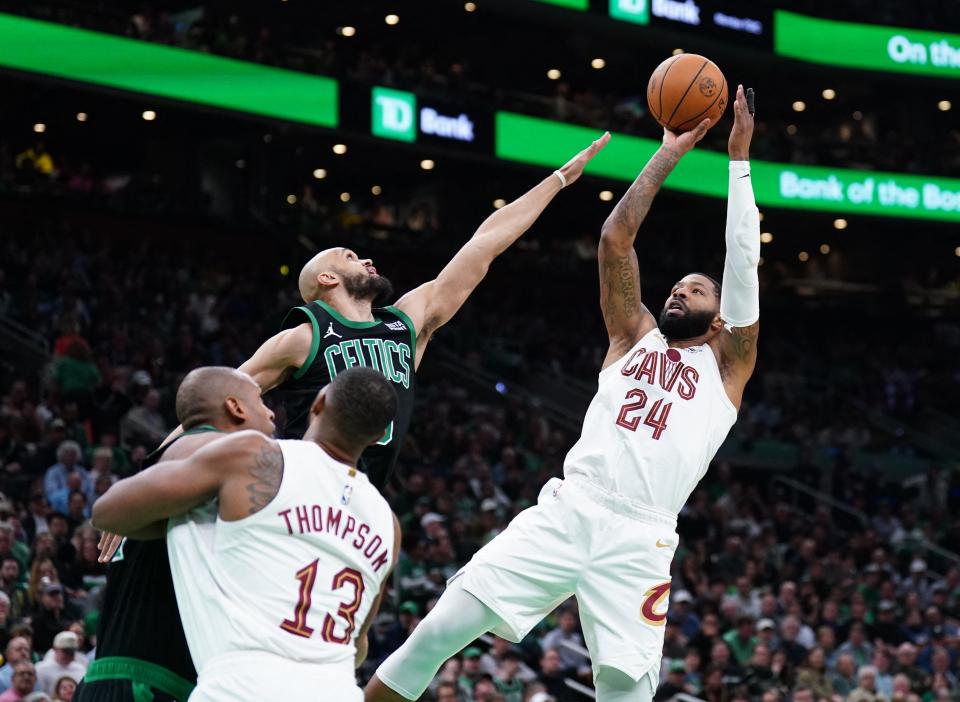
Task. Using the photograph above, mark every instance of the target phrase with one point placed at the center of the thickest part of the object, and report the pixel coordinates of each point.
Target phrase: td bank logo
(394, 114)
(637, 11)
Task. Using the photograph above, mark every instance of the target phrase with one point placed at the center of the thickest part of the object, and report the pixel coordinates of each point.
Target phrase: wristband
(563, 181)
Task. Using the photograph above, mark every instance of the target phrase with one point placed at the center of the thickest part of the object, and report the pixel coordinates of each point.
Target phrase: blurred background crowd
(818, 558)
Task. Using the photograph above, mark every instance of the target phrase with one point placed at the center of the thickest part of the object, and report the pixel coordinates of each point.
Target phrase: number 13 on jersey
(346, 578)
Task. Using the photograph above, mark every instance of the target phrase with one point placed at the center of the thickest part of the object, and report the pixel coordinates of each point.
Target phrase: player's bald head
(202, 396)
(309, 285)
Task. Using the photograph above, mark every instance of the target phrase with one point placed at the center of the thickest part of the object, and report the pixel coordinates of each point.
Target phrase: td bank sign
(394, 116)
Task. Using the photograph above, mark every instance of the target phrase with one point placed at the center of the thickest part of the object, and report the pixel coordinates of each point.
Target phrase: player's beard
(686, 326)
(372, 288)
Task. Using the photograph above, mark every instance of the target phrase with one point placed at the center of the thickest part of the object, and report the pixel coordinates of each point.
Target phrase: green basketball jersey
(387, 344)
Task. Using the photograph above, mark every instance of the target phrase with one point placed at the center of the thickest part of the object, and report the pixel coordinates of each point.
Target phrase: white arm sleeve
(740, 295)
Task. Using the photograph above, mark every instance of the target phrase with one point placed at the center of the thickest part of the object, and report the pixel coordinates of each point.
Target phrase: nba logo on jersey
(347, 492)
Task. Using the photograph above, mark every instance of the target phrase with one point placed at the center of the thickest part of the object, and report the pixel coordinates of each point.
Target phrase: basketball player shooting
(669, 391)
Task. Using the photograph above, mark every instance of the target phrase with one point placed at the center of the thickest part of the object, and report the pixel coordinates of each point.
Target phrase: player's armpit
(279, 356)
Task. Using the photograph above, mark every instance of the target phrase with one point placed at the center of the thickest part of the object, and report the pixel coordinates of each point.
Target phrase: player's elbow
(104, 515)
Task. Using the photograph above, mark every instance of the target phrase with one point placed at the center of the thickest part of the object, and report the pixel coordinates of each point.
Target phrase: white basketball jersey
(296, 579)
(658, 418)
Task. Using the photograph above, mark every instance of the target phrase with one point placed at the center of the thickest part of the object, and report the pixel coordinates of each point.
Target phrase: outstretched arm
(626, 318)
(740, 294)
(238, 468)
(431, 305)
(276, 360)
(279, 356)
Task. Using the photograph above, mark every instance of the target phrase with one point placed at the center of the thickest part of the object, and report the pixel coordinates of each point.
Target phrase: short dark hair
(361, 403)
(716, 285)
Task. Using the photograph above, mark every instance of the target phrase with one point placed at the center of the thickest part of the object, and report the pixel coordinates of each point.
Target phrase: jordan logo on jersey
(331, 332)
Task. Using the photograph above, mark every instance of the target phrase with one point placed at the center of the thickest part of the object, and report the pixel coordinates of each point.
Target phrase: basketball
(686, 89)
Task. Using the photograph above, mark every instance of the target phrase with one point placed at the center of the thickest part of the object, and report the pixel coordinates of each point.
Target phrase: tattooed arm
(243, 469)
(626, 318)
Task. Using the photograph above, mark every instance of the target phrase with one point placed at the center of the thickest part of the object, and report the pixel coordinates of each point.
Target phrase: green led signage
(572, 4)
(869, 46)
(637, 11)
(163, 71)
(545, 143)
(394, 114)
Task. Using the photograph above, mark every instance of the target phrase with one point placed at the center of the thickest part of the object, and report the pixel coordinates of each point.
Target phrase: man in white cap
(62, 664)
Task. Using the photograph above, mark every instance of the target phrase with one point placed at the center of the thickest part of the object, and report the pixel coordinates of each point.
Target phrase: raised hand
(738, 146)
(574, 167)
(686, 141)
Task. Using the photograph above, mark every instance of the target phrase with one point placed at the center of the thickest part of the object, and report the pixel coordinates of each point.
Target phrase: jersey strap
(142, 674)
(154, 455)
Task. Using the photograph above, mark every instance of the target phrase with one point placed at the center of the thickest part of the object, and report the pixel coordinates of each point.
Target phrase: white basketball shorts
(613, 554)
(257, 676)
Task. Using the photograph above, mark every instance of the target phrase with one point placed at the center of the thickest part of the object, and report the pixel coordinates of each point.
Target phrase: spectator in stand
(102, 470)
(813, 674)
(10, 547)
(57, 479)
(447, 692)
(78, 376)
(742, 640)
(12, 586)
(36, 520)
(470, 671)
(843, 680)
(17, 650)
(77, 510)
(144, 424)
(484, 690)
(62, 664)
(491, 661)
(674, 684)
(22, 683)
(857, 646)
(866, 690)
(507, 678)
(789, 630)
(942, 676)
(50, 617)
(64, 689)
(682, 614)
(574, 663)
(552, 675)
(907, 665)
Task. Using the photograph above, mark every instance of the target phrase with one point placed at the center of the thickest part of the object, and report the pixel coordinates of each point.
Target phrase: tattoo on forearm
(621, 286)
(635, 204)
(267, 473)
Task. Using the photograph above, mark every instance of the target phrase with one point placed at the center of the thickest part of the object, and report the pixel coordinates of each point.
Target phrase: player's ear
(320, 403)
(327, 279)
(235, 410)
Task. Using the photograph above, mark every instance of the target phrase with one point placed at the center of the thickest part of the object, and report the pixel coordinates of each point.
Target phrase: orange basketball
(686, 89)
